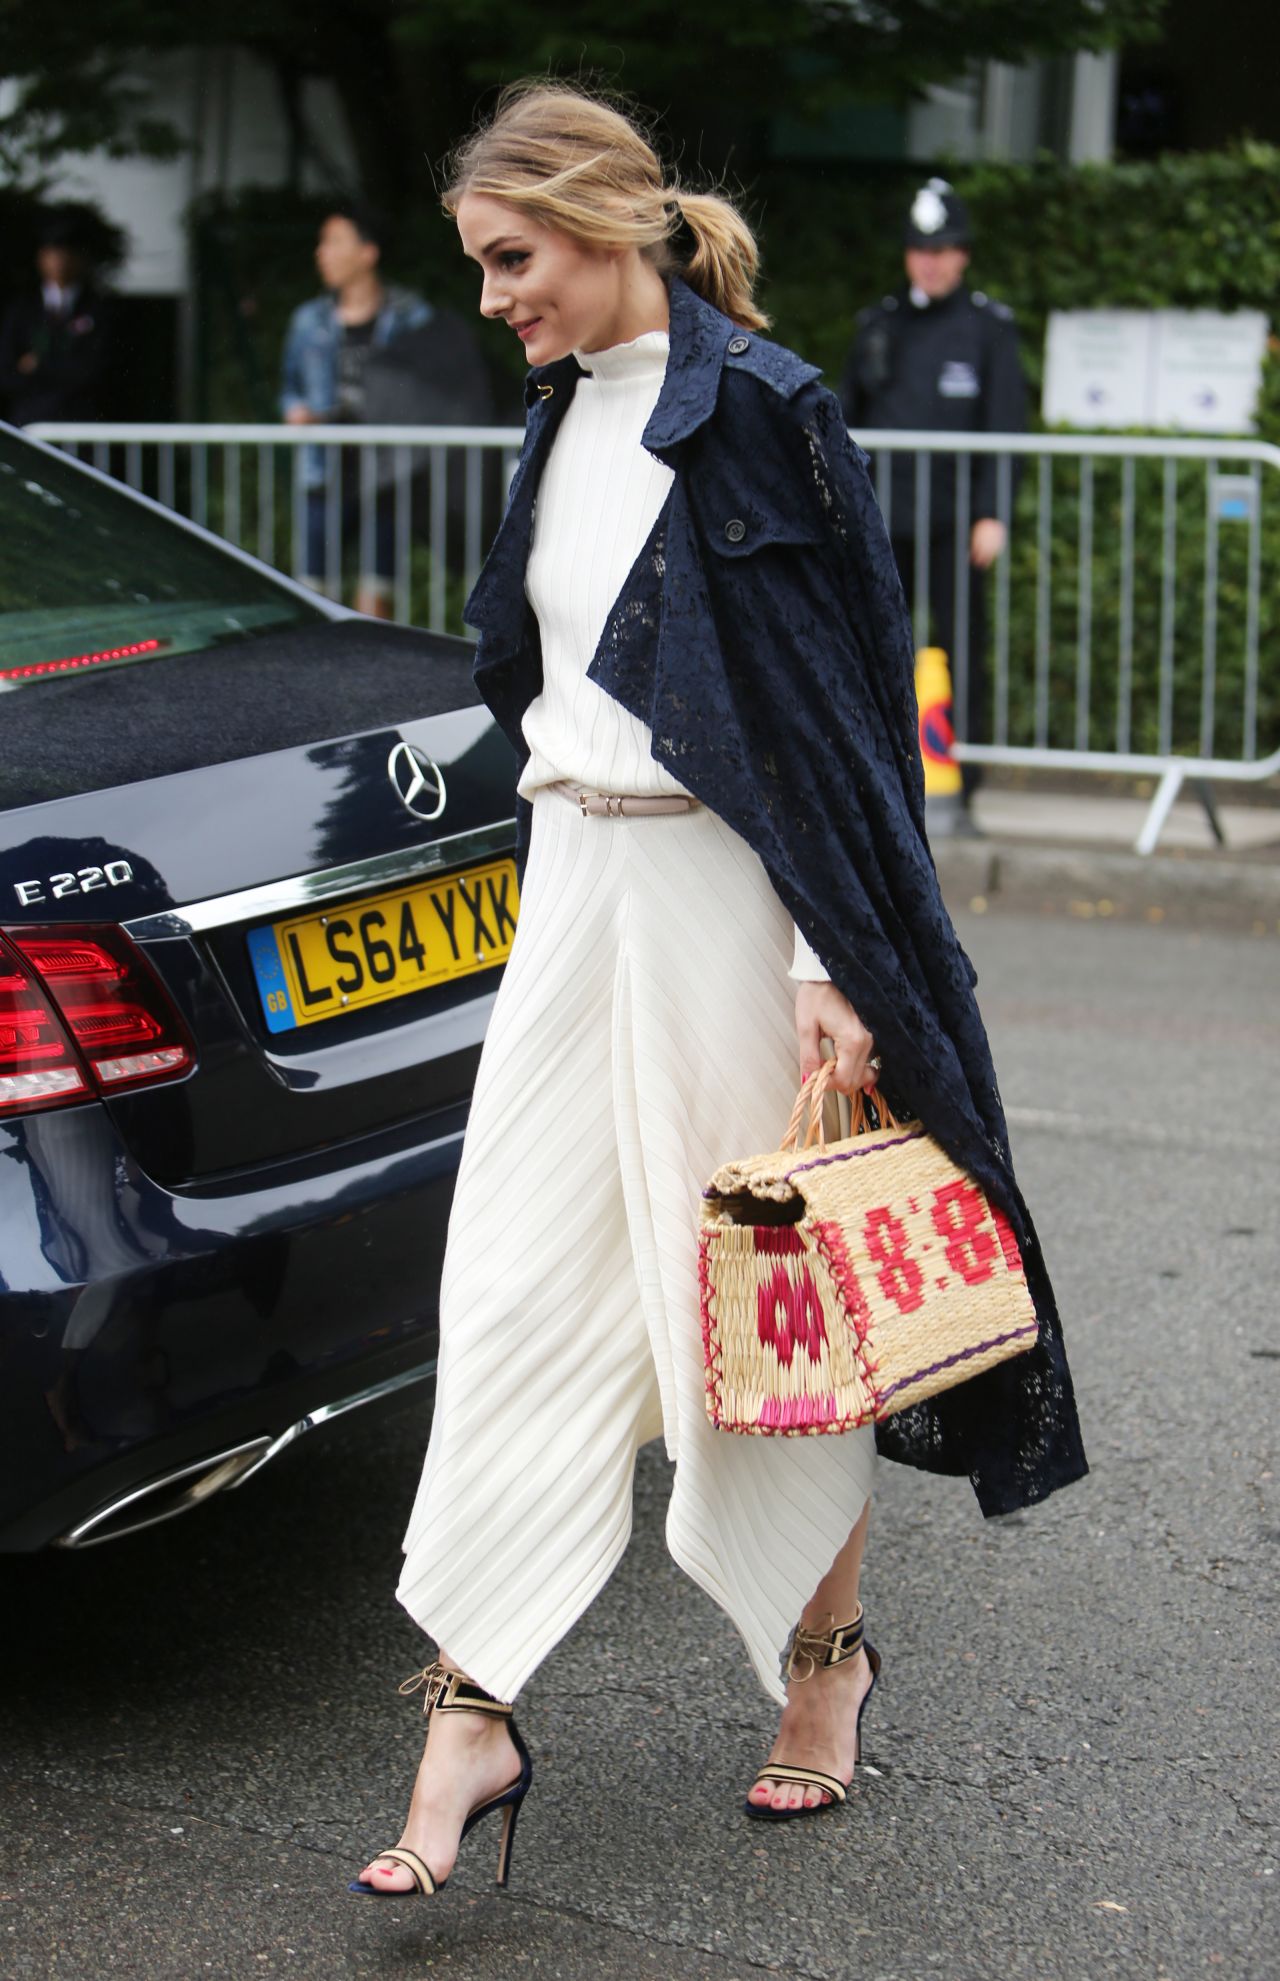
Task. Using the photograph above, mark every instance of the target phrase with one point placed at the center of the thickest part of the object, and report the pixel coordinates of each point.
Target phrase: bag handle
(813, 1094)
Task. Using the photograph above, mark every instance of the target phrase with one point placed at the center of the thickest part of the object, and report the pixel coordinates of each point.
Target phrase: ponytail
(716, 253)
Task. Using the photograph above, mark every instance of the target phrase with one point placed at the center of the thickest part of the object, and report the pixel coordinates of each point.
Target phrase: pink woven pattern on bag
(882, 1276)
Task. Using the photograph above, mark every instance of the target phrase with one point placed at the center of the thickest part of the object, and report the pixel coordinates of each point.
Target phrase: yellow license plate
(428, 932)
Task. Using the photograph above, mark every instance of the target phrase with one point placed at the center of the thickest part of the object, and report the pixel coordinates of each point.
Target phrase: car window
(91, 579)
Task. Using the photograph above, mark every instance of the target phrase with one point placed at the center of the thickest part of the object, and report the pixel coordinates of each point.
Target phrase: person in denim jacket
(327, 351)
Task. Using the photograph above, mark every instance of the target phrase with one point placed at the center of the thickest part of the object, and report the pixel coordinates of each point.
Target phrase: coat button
(737, 345)
(735, 531)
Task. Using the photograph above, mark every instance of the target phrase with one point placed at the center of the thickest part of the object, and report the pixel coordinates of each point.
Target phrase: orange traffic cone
(943, 784)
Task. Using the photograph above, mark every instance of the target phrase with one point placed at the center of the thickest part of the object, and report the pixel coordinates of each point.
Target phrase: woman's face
(557, 295)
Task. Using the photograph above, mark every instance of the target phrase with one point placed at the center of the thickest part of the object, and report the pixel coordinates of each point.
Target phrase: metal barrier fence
(410, 509)
(1128, 614)
(1133, 602)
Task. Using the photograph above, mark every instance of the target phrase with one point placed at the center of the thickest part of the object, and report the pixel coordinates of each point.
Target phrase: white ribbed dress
(643, 1033)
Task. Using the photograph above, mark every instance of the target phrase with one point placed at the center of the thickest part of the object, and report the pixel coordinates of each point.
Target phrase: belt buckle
(582, 804)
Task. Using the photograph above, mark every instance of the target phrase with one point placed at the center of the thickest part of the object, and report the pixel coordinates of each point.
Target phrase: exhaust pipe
(172, 1493)
(168, 1496)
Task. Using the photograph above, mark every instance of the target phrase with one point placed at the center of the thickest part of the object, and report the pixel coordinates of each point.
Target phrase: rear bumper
(143, 1329)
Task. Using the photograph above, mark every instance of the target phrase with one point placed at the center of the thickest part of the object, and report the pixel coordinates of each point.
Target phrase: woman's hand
(823, 1012)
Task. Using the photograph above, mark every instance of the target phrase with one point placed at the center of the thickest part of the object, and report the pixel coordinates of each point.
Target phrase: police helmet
(938, 218)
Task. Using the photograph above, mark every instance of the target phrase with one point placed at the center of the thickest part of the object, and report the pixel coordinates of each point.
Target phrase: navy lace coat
(763, 637)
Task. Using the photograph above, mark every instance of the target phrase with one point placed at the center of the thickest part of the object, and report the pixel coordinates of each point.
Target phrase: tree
(411, 73)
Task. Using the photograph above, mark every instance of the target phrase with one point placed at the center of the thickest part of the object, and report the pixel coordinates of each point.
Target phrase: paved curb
(1198, 890)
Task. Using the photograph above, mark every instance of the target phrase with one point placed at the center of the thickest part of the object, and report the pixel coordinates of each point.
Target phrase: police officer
(58, 347)
(939, 356)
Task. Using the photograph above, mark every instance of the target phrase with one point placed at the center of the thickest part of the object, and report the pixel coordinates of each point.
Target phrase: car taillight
(39, 1066)
(81, 1013)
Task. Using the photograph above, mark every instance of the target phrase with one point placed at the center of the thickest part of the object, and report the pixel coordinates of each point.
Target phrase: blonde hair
(573, 162)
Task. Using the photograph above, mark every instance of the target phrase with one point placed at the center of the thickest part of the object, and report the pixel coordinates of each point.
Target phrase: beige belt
(612, 805)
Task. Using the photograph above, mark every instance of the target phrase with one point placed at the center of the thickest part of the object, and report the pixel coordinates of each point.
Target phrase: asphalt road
(1075, 1744)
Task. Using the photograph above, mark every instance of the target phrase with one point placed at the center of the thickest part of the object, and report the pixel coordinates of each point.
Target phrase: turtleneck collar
(645, 357)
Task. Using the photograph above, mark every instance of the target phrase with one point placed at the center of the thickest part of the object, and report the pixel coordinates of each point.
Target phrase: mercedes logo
(417, 782)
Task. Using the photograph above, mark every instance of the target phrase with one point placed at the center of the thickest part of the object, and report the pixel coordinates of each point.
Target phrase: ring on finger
(874, 1062)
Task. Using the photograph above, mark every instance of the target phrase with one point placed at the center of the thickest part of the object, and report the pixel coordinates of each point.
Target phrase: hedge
(1197, 231)
(1200, 230)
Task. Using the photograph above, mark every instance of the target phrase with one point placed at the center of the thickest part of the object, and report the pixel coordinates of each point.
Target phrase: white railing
(1159, 540)
(1128, 615)
(410, 507)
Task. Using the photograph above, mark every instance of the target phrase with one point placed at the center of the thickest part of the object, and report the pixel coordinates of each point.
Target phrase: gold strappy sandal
(813, 1651)
(449, 1692)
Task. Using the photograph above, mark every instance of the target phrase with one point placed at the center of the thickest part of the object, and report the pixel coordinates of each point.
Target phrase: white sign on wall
(1208, 370)
(1198, 371)
(1095, 367)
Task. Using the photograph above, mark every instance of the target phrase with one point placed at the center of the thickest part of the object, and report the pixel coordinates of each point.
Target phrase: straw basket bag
(843, 1281)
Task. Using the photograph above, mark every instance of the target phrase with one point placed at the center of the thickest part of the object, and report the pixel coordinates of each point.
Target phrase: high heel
(819, 1650)
(449, 1692)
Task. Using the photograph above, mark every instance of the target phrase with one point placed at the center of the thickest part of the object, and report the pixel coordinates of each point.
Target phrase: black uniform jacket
(763, 637)
(949, 367)
(74, 356)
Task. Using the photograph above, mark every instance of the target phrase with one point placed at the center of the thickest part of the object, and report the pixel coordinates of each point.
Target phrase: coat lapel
(496, 604)
(699, 336)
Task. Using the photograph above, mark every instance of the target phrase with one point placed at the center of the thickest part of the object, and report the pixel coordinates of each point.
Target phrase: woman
(692, 631)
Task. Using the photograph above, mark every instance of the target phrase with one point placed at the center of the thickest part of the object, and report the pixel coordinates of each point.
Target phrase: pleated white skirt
(642, 1035)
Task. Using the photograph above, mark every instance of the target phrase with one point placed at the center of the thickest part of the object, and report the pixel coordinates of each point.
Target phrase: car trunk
(206, 800)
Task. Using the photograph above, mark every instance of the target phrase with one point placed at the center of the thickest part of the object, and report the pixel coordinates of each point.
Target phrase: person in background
(57, 345)
(372, 354)
(330, 344)
(938, 356)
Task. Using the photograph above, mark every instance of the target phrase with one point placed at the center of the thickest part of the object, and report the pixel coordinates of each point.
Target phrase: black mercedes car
(256, 888)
